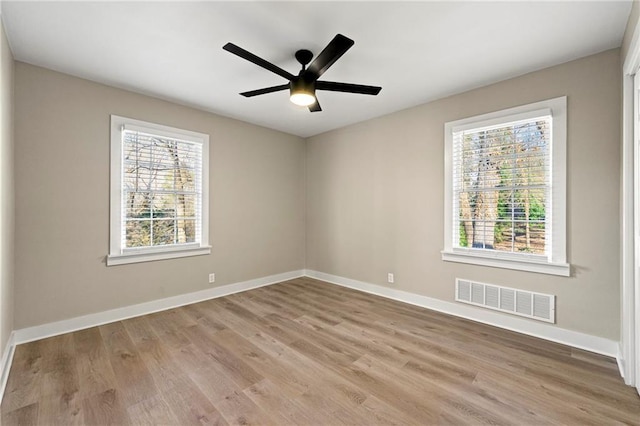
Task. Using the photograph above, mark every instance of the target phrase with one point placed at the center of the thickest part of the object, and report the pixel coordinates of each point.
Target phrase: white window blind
(505, 188)
(162, 190)
(159, 192)
(502, 186)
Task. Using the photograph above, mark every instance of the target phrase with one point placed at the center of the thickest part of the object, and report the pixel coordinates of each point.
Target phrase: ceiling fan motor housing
(300, 85)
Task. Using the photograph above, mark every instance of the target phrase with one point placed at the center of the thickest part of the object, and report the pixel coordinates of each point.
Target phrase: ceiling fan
(302, 87)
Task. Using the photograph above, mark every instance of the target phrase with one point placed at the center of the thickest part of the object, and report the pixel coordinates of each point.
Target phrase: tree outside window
(160, 195)
(501, 181)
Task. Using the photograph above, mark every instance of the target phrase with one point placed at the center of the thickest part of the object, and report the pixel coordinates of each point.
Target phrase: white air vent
(538, 306)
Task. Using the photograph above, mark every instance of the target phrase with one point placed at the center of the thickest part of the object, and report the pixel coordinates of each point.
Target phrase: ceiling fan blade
(334, 50)
(265, 90)
(347, 87)
(315, 107)
(244, 54)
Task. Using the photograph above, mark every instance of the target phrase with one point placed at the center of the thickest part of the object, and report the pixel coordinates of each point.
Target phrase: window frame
(119, 255)
(555, 262)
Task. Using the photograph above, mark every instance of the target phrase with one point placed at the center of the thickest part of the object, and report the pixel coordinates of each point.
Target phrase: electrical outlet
(212, 278)
(390, 278)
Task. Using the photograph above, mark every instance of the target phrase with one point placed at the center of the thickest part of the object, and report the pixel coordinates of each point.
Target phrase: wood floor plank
(214, 383)
(289, 382)
(26, 416)
(238, 409)
(273, 306)
(310, 353)
(210, 377)
(152, 411)
(95, 374)
(190, 406)
(105, 408)
(60, 386)
(24, 385)
(544, 404)
(269, 397)
(203, 316)
(164, 370)
(236, 368)
(61, 409)
(169, 321)
(458, 389)
(244, 321)
(168, 325)
(359, 341)
(311, 359)
(379, 412)
(191, 359)
(330, 411)
(521, 359)
(331, 394)
(133, 377)
(229, 320)
(139, 330)
(330, 310)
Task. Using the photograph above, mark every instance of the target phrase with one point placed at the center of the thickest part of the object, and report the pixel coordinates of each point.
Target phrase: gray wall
(257, 197)
(6, 191)
(632, 22)
(375, 194)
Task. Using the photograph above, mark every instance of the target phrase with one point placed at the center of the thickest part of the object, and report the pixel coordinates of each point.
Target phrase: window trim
(118, 255)
(556, 263)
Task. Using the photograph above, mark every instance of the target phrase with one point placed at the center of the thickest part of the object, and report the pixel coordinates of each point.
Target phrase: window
(159, 192)
(505, 189)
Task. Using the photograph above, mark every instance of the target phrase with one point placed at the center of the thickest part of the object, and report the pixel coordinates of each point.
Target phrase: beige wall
(6, 190)
(62, 203)
(375, 194)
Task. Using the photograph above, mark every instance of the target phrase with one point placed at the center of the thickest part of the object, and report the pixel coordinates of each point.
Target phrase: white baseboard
(5, 363)
(621, 367)
(38, 332)
(542, 330)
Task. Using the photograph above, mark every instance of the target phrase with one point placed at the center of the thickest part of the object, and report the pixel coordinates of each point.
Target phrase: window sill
(123, 259)
(528, 265)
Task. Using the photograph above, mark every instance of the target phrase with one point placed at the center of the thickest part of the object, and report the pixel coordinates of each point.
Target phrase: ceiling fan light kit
(302, 87)
(302, 93)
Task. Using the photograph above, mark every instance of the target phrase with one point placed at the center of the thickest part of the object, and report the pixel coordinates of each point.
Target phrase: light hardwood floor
(308, 352)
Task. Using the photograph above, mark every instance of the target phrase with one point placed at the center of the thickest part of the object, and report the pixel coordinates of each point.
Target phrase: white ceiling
(417, 51)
